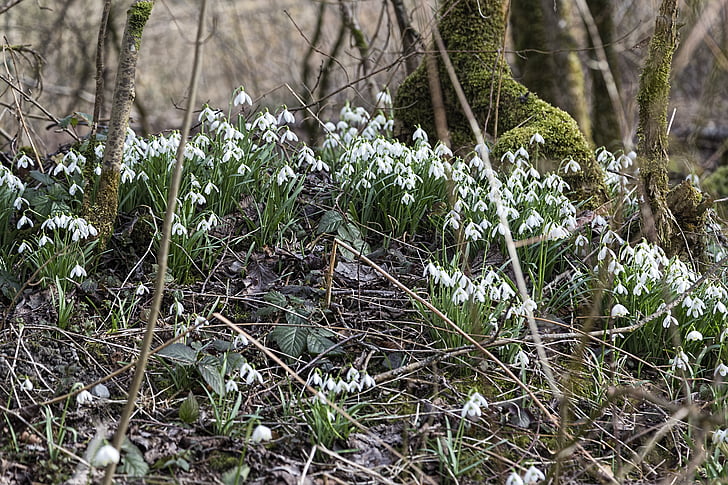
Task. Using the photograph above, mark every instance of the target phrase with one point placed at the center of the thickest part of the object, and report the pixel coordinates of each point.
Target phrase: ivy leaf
(180, 353)
(209, 369)
(133, 463)
(291, 339)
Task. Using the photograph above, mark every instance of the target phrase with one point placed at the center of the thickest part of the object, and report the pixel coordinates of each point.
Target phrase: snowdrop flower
(141, 289)
(314, 379)
(77, 271)
(284, 174)
(669, 320)
(533, 475)
(288, 135)
(24, 221)
(19, 201)
(720, 436)
(231, 386)
(24, 246)
(240, 341)
(107, 454)
(419, 134)
(620, 289)
(384, 99)
(472, 232)
(694, 336)
(26, 385)
(261, 433)
(341, 386)
(619, 310)
(178, 229)
(460, 296)
(24, 162)
(680, 361)
(721, 369)
(514, 479)
(242, 98)
(537, 138)
(352, 375)
(442, 151)
(521, 359)
(473, 405)
(407, 198)
(177, 309)
(74, 188)
(368, 381)
(286, 116)
(571, 166)
(84, 397)
(250, 374)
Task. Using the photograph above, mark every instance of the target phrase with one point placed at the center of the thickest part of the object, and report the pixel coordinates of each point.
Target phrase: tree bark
(546, 56)
(473, 32)
(102, 210)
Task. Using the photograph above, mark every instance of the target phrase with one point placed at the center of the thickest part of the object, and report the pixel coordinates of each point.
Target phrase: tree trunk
(546, 56)
(606, 129)
(473, 32)
(102, 211)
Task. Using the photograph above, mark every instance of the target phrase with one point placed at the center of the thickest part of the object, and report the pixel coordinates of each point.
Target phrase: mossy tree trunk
(678, 216)
(101, 211)
(546, 56)
(473, 32)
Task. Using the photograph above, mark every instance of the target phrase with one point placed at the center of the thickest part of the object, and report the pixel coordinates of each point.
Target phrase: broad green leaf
(236, 476)
(209, 368)
(318, 344)
(189, 411)
(133, 463)
(291, 339)
(350, 234)
(180, 353)
(276, 298)
(330, 222)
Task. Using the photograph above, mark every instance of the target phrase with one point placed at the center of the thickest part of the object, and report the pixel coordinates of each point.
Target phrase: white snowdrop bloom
(620, 289)
(556, 232)
(261, 433)
(472, 232)
(533, 475)
(18, 202)
(669, 320)
(720, 307)
(178, 229)
(459, 296)
(231, 386)
(200, 321)
(196, 198)
(252, 376)
(695, 306)
(437, 169)
(521, 359)
(26, 385)
(24, 162)
(176, 309)
(284, 174)
(84, 397)
(242, 98)
(288, 135)
(384, 99)
(581, 241)
(694, 336)
(452, 219)
(514, 479)
(77, 272)
(571, 166)
(477, 163)
(240, 341)
(407, 198)
(286, 117)
(314, 379)
(680, 361)
(619, 310)
(106, 455)
(341, 386)
(470, 410)
(419, 134)
(442, 150)
(368, 381)
(720, 436)
(537, 138)
(24, 221)
(721, 369)
(24, 246)
(352, 374)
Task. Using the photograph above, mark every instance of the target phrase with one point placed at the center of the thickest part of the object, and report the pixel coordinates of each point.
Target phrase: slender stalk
(163, 253)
